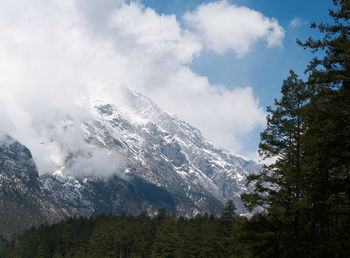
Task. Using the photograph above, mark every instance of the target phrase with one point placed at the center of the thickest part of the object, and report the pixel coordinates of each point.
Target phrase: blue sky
(262, 68)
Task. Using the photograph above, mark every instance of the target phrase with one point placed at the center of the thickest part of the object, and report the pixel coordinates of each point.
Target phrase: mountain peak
(127, 155)
(168, 152)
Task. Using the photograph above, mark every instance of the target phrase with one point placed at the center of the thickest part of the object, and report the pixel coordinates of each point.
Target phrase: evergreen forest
(134, 236)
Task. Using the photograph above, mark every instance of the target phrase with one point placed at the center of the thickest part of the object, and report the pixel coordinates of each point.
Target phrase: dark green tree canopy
(229, 211)
(305, 191)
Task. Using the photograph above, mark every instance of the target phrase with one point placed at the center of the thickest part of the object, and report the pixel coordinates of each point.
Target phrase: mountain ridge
(137, 157)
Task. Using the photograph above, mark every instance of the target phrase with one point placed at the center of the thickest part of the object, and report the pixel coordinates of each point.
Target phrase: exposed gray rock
(159, 161)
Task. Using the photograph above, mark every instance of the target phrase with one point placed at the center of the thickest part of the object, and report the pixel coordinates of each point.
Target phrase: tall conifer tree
(306, 190)
(328, 146)
(280, 186)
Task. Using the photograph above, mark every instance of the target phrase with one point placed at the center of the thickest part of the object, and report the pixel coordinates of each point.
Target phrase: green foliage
(304, 194)
(280, 188)
(328, 145)
(133, 236)
(43, 250)
(229, 211)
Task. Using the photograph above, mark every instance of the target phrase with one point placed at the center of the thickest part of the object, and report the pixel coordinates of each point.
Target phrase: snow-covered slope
(157, 147)
(130, 156)
(27, 199)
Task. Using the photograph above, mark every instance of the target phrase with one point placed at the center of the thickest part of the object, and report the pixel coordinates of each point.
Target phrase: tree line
(135, 236)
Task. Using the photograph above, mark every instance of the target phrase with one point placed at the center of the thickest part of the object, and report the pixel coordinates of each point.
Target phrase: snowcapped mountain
(135, 157)
(144, 142)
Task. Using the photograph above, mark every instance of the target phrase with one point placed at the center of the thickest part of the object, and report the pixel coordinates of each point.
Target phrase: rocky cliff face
(168, 152)
(27, 200)
(23, 200)
(92, 196)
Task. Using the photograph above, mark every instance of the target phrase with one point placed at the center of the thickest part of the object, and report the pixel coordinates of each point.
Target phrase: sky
(214, 64)
(263, 69)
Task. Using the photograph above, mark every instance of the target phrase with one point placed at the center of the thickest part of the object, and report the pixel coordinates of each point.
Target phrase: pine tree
(306, 191)
(167, 242)
(43, 250)
(279, 189)
(328, 137)
(229, 211)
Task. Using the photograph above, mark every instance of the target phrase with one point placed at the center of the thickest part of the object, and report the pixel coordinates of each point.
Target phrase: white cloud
(222, 115)
(223, 26)
(98, 11)
(296, 22)
(160, 35)
(51, 54)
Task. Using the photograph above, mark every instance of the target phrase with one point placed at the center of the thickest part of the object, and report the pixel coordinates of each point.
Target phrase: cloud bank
(223, 27)
(55, 53)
